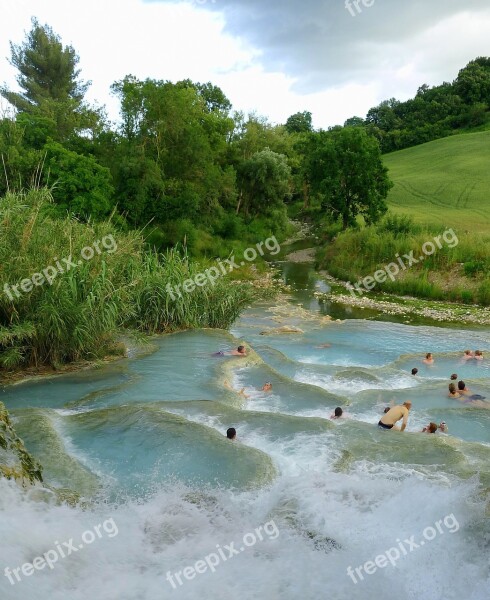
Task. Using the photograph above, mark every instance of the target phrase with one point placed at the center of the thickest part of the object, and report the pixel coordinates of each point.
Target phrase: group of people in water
(392, 414)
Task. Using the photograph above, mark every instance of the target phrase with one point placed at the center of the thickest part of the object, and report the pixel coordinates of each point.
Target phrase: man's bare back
(395, 414)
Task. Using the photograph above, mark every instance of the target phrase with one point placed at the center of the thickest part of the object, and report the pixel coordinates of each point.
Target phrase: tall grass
(460, 273)
(79, 315)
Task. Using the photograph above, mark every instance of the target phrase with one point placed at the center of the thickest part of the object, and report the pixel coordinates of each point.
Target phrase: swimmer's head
(267, 386)
(407, 404)
(461, 385)
(454, 376)
(338, 412)
(231, 433)
(241, 349)
(452, 388)
(468, 352)
(432, 427)
(478, 353)
(428, 356)
(415, 371)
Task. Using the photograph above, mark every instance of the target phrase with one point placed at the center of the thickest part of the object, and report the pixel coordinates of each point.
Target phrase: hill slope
(445, 181)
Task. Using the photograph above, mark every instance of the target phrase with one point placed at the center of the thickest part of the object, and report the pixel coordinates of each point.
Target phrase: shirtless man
(389, 420)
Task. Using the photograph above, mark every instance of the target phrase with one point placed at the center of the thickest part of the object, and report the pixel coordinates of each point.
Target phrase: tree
(347, 173)
(264, 183)
(354, 122)
(81, 185)
(300, 122)
(473, 82)
(48, 76)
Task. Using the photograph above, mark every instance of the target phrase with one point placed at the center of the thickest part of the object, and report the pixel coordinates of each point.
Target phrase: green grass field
(444, 182)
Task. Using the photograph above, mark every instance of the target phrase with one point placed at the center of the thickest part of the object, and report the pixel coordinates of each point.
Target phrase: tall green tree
(264, 183)
(347, 172)
(48, 76)
(299, 122)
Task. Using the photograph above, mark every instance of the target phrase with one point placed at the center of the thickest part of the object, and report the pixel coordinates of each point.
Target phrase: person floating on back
(231, 433)
(240, 351)
(395, 414)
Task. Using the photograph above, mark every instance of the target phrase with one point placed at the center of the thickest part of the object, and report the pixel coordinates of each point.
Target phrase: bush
(398, 225)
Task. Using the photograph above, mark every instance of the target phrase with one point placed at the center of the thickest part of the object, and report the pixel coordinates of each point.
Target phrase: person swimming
(240, 351)
(267, 387)
(478, 355)
(468, 355)
(453, 393)
(395, 414)
(454, 376)
(231, 433)
(443, 427)
(462, 389)
(431, 428)
(429, 359)
(415, 371)
(337, 414)
(241, 392)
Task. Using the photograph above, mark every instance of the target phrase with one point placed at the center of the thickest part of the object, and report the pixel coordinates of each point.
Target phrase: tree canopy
(347, 172)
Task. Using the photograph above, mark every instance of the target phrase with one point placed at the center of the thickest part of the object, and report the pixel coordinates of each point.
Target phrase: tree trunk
(240, 198)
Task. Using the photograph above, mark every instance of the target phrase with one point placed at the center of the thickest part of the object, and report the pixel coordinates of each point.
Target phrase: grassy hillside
(444, 182)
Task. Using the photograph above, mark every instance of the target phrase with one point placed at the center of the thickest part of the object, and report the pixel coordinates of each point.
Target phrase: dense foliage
(435, 112)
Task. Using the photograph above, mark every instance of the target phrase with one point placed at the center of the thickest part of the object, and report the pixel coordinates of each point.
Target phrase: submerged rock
(282, 329)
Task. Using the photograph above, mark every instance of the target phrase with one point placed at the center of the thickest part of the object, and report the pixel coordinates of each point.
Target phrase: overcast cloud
(276, 57)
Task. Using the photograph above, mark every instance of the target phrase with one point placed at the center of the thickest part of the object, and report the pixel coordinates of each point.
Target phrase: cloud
(319, 43)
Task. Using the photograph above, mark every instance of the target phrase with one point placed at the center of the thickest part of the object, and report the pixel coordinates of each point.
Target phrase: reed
(80, 314)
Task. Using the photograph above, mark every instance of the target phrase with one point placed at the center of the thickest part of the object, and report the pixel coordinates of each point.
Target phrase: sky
(272, 57)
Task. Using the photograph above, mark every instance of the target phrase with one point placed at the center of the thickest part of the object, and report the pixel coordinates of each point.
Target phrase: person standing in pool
(395, 414)
(429, 359)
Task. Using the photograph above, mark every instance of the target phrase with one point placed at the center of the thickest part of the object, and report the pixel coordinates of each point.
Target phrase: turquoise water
(143, 440)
